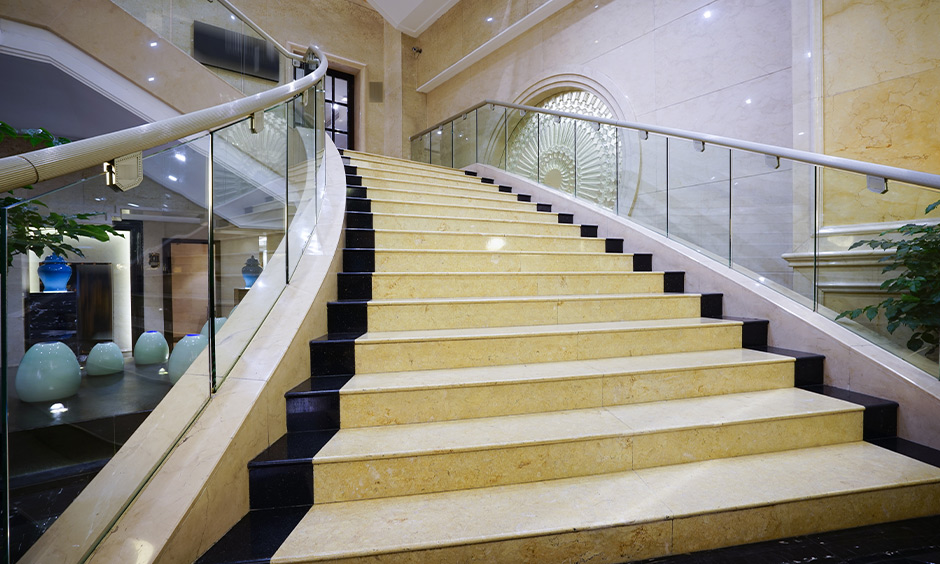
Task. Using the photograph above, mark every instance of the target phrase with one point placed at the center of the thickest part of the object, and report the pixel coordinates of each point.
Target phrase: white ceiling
(412, 16)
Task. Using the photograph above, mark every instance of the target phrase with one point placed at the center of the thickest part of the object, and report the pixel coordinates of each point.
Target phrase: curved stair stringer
(852, 362)
(201, 489)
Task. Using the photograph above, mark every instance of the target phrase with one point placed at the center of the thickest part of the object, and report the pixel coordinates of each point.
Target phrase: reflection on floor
(56, 448)
(916, 541)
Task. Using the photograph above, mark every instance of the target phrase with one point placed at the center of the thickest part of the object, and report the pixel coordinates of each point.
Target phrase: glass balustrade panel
(436, 141)
(465, 140)
(598, 163)
(491, 135)
(772, 218)
(249, 181)
(303, 182)
(699, 196)
(417, 150)
(522, 144)
(855, 209)
(91, 346)
(211, 34)
(642, 186)
(445, 136)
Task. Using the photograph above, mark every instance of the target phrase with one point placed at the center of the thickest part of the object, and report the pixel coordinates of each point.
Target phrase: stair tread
(533, 330)
(479, 233)
(614, 256)
(440, 437)
(486, 375)
(567, 226)
(545, 298)
(466, 517)
(295, 446)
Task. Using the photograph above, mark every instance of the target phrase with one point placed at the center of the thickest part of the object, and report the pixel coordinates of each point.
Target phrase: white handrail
(850, 165)
(28, 168)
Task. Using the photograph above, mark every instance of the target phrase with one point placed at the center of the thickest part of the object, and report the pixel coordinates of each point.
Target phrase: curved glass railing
(788, 219)
(139, 321)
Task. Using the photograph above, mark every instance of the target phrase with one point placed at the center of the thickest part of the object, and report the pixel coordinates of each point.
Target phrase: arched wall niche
(605, 168)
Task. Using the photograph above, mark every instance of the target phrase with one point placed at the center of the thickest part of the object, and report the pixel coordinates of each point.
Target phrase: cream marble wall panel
(705, 54)
(472, 225)
(370, 479)
(393, 351)
(484, 241)
(666, 11)
(401, 260)
(726, 111)
(896, 38)
(893, 122)
(389, 286)
(462, 29)
(610, 24)
(633, 65)
(454, 210)
(180, 81)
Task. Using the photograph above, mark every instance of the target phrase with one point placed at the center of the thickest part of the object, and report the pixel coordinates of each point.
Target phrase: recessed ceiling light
(171, 177)
(151, 78)
(153, 43)
(707, 14)
(489, 19)
(180, 157)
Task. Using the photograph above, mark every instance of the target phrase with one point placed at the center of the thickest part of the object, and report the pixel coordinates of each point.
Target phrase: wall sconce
(154, 260)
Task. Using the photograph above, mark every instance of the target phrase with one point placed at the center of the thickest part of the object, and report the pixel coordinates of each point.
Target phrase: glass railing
(788, 219)
(198, 27)
(149, 318)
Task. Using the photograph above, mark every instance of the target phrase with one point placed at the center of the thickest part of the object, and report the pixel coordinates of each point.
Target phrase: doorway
(340, 108)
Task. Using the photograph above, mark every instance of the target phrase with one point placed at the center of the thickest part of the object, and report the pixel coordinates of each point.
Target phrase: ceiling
(412, 16)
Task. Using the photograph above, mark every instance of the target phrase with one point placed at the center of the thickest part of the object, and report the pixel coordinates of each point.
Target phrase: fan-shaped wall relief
(575, 156)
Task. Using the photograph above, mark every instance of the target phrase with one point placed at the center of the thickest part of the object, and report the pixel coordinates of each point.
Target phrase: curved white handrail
(20, 170)
(850, 165)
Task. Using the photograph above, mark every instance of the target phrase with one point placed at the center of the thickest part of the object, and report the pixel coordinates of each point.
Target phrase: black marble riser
(256, 537)
(314, 404)
(282, 475)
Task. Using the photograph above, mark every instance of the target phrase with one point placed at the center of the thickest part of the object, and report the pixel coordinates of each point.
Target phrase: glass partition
(97, 335)
(126, 306)
(791, 226)
(209, 33)
(465, 140)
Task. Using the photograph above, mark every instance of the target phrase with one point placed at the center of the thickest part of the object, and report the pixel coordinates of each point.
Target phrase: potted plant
(28, 227)
(916, 288)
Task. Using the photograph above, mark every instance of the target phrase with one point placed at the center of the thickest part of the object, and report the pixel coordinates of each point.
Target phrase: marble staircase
(501, 385)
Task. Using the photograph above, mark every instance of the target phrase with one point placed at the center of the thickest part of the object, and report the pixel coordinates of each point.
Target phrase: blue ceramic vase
(54, 273)
(251, 271)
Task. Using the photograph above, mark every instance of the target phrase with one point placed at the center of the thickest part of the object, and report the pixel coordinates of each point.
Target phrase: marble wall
(881, 94)
(714, 66)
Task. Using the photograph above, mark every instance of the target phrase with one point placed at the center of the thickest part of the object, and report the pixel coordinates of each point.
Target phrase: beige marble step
(626, 516)
(395, 285)
(400, 239)
(394, 398)
(462, 210)
(444, 260)
(453, 313)
(456, 197)
(395, 351)
(393, 460)
(441, 223)
(432, 184)
(369, 159)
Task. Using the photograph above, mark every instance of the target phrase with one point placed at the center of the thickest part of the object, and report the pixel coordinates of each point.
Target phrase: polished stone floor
(916, 541)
